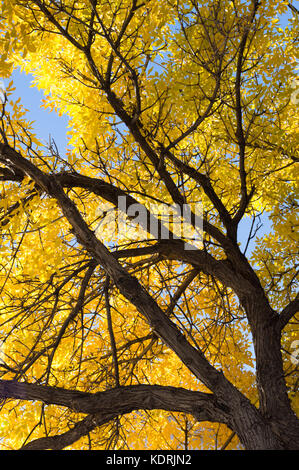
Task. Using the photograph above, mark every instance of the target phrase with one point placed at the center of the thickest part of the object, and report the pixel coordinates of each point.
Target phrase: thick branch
(121, 400)
(288, 312)
(104, 406)
(60, 441)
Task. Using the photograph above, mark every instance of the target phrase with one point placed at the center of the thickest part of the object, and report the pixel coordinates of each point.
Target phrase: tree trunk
(275, 405)
(254, 432)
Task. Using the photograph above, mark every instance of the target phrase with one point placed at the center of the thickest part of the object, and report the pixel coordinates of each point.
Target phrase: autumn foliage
(115, 341)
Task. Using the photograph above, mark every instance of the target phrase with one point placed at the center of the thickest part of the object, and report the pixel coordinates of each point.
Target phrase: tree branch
(121, 400)
(111, 332)
(52, 19)
(245, 197)
(104, 406)
(60, 441)
(71, 317)
(288, 312)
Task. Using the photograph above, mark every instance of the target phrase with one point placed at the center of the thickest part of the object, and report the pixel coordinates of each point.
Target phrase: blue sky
(46, 123)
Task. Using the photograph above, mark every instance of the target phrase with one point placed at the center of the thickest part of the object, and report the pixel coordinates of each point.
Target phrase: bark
(121, 400)
(102, 407)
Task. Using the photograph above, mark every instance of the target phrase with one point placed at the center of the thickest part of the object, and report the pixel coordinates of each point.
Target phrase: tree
(124, 335)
